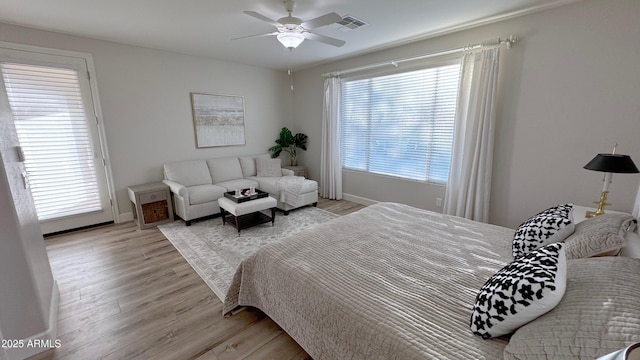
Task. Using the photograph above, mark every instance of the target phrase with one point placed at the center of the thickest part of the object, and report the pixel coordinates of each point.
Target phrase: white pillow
(528, 287)
(551, 225)
(248, 164)
(268, 167)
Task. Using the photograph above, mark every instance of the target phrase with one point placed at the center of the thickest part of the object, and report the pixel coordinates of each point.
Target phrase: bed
(393, 282)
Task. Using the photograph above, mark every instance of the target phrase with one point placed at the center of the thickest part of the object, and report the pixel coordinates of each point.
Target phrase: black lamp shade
(612, 163)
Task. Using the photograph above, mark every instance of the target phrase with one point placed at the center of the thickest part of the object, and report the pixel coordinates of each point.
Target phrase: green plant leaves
(275, 151)
(286, 138)
(288, 142)
(300, 140)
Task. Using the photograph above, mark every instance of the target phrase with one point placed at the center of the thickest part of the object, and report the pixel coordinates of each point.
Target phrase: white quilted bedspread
(387, 282)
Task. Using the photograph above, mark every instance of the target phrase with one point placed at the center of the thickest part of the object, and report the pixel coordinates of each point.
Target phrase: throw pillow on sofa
(268, 167)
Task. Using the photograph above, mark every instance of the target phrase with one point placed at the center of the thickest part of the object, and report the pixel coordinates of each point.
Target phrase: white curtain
(330, 165)
(469, 185)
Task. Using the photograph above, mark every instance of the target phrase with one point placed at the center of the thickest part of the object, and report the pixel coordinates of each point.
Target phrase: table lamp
(609, 164)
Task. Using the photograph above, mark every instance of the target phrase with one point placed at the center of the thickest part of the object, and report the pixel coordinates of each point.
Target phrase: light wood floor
(129, 294)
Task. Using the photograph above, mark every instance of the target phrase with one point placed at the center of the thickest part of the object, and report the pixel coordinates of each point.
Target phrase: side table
(151, 204)
(579, 212)
(297, 170)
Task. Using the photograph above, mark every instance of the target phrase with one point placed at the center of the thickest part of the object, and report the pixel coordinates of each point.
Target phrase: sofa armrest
(287, 172)
(177, 188)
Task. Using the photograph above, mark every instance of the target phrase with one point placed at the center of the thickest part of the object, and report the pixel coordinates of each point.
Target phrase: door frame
(93, 87)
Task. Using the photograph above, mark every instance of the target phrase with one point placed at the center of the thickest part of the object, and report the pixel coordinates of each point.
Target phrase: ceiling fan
(292, 31)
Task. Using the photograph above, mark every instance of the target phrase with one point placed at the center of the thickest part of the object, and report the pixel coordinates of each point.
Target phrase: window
(401, 124)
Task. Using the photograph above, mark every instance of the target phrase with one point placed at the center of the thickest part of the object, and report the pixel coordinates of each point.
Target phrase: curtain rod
(509, 40)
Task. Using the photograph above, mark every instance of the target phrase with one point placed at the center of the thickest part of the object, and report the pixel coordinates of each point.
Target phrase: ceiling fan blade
(258, 35)
(323, 20)
(262, 17)
(324, 39)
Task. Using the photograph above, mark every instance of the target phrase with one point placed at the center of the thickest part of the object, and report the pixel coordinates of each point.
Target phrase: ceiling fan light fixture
(290, 40)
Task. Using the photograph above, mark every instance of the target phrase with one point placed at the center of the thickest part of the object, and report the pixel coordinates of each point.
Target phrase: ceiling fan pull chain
(290, 77)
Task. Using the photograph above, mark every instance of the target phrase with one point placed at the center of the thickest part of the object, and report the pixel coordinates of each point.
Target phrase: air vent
(349, 23)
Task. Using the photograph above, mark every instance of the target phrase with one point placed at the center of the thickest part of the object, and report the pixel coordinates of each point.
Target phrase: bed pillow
(600, 235)
(521, 291)
(598, 314)
(268, 167)
(546, 227)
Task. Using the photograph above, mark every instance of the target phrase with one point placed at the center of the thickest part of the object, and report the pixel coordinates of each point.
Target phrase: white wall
(569, 89)
(146, 105)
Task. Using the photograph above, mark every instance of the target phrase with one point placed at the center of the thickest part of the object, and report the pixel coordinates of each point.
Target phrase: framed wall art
(218, 119)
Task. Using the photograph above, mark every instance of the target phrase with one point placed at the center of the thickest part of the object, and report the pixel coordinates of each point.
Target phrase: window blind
(49, 115)
(401, 124)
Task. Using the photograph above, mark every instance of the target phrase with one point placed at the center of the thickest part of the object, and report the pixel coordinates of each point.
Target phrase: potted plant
(289, 143)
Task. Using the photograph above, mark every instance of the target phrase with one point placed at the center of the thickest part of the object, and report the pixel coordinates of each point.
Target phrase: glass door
(52, 108)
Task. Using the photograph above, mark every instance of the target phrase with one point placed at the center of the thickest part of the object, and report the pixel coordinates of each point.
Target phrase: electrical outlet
(439, 202)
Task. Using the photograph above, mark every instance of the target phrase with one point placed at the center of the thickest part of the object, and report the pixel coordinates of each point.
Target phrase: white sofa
(196, 185)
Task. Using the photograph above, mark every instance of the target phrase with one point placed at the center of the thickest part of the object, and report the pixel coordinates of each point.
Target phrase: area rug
(215, 251)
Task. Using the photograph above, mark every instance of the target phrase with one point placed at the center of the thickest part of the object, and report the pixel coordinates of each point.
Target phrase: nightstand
(297, 170)
(151, 204)
(579, 212)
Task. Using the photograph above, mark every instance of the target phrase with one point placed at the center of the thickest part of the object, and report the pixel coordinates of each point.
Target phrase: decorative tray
(257, 194)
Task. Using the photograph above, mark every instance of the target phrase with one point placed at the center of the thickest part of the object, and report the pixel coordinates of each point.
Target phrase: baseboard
(359, 199)
(43, 341)
(124, 217)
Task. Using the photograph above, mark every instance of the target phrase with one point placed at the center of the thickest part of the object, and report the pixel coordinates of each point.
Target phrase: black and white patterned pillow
(549, 226)
(521, 291)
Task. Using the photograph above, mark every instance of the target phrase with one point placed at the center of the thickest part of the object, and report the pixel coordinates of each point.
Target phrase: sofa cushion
(308, 186)
(188, 173)
(268, 184)
(224, 169)
(268, 167)
(248, 164)
(231, 185)
(201, 194)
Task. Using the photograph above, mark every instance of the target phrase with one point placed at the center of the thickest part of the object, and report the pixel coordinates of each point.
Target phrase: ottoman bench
(248, 213)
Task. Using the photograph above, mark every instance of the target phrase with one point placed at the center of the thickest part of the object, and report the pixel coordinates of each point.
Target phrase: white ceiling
(206, 27)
